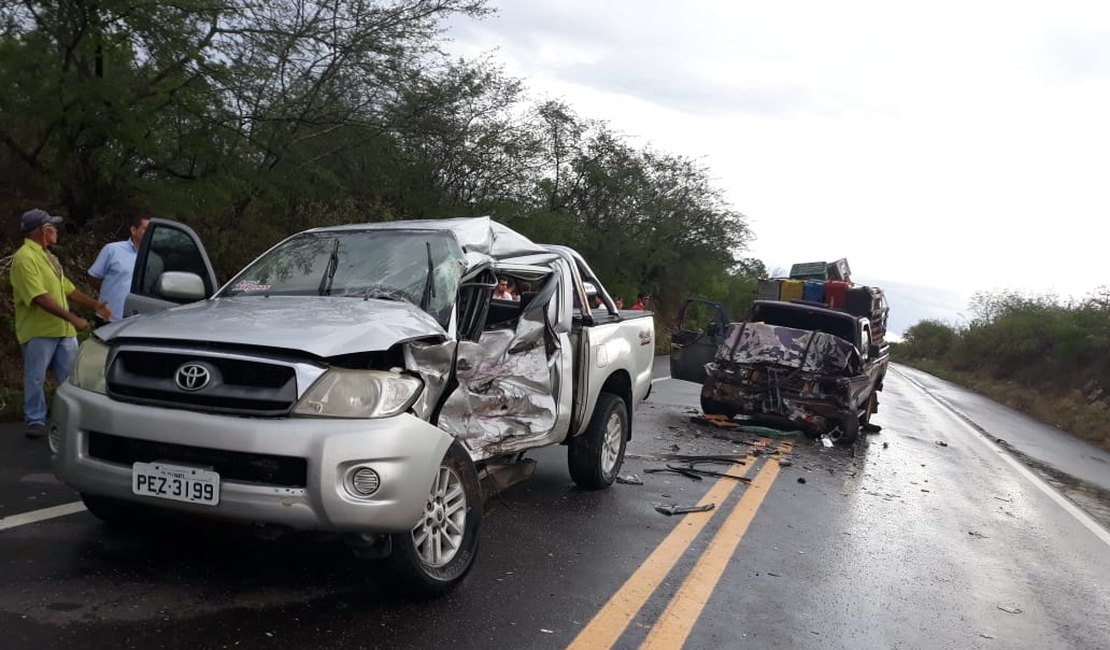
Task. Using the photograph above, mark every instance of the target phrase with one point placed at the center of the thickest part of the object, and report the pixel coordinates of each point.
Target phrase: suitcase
(835, 293)
(858, 301)
(814, 291)
(839, 270)
(768, 290)
(809, 271)
(792, 290)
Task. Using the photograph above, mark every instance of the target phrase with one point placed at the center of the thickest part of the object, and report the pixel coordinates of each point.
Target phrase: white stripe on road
(1082, 517)
(41, 515)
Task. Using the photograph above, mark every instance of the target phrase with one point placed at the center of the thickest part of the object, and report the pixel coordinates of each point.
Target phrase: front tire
(713, 407)
(435, 556)
(595, 457)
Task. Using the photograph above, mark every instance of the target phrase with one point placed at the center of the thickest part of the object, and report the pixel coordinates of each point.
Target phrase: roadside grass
(1068, 412)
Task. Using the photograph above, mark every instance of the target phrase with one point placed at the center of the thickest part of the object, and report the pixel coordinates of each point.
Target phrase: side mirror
(180, 285)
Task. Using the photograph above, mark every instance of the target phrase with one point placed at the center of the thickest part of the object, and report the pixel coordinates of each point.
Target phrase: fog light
(363, 482)
(54, 437)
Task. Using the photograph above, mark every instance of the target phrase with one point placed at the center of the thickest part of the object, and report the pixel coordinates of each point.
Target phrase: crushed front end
(789, 377)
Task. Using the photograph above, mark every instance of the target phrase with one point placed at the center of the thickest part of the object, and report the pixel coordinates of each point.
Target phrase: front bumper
(404, 450)
(795, 401)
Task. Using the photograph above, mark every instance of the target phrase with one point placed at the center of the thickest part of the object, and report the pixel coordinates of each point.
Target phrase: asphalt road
(897, 542)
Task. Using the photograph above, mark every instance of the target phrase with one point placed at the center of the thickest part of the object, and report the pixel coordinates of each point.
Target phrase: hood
(323, 326)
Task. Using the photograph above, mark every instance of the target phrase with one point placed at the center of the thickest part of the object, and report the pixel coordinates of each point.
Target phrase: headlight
(88, 371)
(359, 394)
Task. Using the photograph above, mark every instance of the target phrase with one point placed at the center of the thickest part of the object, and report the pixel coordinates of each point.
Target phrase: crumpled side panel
(432, 361)
(505, 393)
(811, 351)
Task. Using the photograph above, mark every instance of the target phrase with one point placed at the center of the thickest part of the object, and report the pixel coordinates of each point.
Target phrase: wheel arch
(619, 383)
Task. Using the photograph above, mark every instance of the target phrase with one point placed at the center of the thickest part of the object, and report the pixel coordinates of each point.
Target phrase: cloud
(1079, 54)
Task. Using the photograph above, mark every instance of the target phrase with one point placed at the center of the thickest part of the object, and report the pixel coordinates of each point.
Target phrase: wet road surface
(897, 542)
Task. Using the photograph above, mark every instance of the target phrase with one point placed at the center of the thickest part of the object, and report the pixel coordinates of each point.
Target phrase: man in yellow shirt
(44, 326)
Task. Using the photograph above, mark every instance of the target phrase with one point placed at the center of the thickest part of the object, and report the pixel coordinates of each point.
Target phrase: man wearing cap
(44, 326)
(111, 273)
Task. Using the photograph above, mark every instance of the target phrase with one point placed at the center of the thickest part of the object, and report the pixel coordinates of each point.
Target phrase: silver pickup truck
(358, 380)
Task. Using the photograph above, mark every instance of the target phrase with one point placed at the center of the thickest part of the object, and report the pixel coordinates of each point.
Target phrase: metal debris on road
(801, 479)
(719, 421)
(675, 509)
(975, 533)
(941, 443)
(630, 479)
(1009, 610)
(690, 470)
(825, 440)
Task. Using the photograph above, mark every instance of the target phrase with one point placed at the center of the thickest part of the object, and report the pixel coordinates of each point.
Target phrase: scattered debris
(547, 631)
(975, 533)
(1009, 610)
(801, 479)
(985, 635)
(885, 445)
(675, 509)
(673, 470)
(1006, 499)
(630, 479)
(870, 428)
(786, 463)
(941, 443)
(768, 431)
(719, 421)
(675, 447)
(773, 575)
(689, 467)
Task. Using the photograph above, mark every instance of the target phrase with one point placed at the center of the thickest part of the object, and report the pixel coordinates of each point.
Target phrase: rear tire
(435, 556)
(595, 457)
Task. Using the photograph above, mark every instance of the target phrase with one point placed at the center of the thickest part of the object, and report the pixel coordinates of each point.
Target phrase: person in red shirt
(643, 302)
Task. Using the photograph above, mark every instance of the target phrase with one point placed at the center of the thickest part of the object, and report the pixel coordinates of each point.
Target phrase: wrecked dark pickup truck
(791, 364)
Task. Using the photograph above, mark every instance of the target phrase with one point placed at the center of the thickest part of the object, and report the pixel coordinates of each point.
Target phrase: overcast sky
(958, 145)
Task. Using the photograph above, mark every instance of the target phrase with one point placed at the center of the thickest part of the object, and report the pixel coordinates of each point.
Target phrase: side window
(170, 249)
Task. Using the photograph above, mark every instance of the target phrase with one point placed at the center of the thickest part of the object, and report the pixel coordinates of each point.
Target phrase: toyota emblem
(192, 376)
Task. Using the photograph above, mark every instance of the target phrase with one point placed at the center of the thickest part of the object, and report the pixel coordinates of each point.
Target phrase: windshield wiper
(329, 273)
(429, 282)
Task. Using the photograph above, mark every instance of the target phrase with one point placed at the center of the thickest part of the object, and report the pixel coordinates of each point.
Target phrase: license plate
(176, 482)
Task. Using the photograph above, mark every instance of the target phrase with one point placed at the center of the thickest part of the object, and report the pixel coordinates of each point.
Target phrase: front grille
(267, 469)
(238, 386)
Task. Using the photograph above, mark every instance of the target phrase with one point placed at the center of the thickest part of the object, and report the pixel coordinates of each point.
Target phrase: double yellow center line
(674, 625)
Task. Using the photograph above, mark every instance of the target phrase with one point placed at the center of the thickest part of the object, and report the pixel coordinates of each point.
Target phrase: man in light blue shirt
(111, 273)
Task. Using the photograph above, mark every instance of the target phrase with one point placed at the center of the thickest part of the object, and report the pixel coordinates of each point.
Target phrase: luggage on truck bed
(792, 290)
(814, 291)
(869, 302)
(808, 271)
(768, 289)
(858, 301)
(836, 292)
(839, 270)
